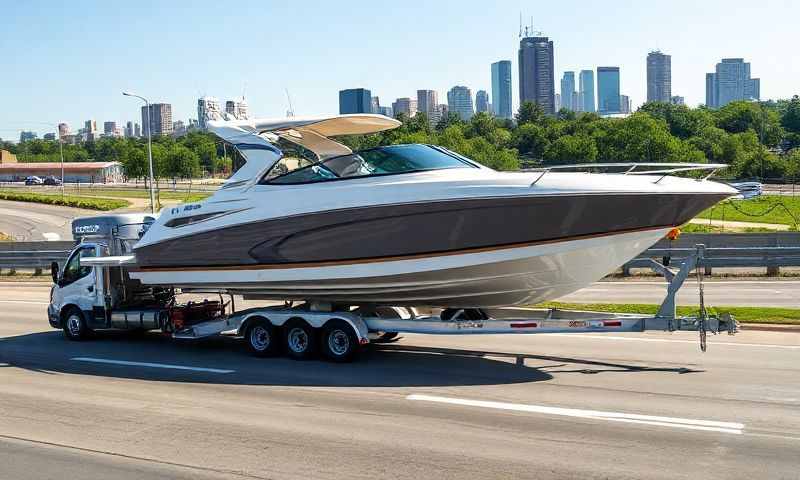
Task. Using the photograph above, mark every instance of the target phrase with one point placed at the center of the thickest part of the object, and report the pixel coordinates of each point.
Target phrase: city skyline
(182, 74)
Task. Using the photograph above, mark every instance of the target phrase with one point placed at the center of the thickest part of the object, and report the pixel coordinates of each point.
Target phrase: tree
(530, 140)
(530, 112)
(180, 162)
(791, 116)
(135, 165)
(739, 117)
(571, 149)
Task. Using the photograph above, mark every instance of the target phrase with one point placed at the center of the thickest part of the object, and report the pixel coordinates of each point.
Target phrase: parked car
(34, 180)
(51, 180)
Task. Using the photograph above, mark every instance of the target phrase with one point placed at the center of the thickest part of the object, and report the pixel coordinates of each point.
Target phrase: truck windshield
(393, 159)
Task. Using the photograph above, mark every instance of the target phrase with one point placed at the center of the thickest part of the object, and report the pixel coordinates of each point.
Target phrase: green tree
(739, 117)
(530, 140)
(571, 149)
(791, 116)
(530, 112)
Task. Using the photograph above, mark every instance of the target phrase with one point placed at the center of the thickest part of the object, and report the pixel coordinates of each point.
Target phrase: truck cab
(84, 297)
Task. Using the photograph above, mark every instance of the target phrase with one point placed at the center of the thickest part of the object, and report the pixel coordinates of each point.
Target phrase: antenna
(290, 112)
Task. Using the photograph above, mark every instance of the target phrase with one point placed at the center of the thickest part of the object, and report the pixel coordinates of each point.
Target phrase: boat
(305, 218)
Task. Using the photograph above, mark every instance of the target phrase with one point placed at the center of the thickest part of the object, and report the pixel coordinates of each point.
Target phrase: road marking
(150, 365)
(51, 236)
(666, 340)
(29, 302)
(672, 422)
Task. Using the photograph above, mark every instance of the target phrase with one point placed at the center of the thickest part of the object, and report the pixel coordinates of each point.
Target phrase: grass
(140, 193)
(786, 316)
(763, 209)
(705, 228)
(91, 203)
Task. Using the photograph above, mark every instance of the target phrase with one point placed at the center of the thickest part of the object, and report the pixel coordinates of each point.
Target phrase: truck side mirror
(54, 271)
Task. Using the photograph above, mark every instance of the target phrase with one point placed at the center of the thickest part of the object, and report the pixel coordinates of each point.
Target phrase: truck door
(77, 284)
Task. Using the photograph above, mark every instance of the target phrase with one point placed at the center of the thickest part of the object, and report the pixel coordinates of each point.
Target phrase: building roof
(68, 166)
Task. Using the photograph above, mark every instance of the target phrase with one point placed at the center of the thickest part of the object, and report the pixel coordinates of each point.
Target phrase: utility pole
(149, 147)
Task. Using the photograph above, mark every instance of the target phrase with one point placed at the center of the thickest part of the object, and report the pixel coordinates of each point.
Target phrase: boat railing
(631, 168)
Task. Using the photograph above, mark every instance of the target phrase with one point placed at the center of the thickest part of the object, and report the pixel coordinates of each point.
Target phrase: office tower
(659, 77)
(501, 89)
(730, 82)
(49, 136)
(235, 108)
(608, 90)
(568, 91)
(90, 126)
(25, 136)
(137, 130)
(160, 119)
(625, 105)
(63, 130)
(375, 105)
(427, 101)
(406, 106)
(108, 128)
(129, 129)
(536, 72)
(586, 90)
(459, 100)
(386, 111)
(355, 100)
(482, 101)
(207, 108)
(557, 102)
(677, 100)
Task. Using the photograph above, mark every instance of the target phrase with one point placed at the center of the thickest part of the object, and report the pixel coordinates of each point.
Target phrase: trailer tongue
(94, 292)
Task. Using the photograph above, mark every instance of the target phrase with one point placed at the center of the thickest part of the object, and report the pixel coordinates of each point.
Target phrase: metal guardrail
(33, 255)
(770, 250)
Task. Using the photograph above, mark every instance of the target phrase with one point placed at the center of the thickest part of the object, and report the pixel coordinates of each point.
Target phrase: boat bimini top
(255, 139)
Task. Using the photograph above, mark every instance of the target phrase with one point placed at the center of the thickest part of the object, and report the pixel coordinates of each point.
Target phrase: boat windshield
(389, 160)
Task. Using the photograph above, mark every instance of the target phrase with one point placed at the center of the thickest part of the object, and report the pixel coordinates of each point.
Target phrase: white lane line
(28, 302)
(665, 340)
(150, 365)
(672, 422)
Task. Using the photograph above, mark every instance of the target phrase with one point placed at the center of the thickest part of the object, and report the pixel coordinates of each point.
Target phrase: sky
(70, 61)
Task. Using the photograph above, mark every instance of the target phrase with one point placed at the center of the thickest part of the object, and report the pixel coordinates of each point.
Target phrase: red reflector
(525, 325)
(615, 323)
(364, 341)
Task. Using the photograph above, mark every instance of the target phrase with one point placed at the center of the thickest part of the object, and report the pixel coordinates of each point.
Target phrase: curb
(769, 327)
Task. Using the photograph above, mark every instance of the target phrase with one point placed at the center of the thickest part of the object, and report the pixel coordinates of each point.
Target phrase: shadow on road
(389, 365)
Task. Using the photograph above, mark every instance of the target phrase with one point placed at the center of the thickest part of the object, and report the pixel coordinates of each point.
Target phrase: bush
(89, 203)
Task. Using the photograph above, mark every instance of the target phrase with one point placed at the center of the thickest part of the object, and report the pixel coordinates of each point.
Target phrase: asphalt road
(37, 222)
(539, 406)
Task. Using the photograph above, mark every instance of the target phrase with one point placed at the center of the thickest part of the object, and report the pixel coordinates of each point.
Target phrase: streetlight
(149, 146)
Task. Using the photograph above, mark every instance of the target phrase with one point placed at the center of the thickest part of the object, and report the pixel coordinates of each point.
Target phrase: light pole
(149, 146)
(61, 150)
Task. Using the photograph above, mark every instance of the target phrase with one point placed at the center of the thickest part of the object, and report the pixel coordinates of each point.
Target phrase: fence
(33, 255)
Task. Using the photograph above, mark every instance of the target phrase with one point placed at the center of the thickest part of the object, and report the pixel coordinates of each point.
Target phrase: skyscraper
(501, 89)
(586, 90)
(459, 100)
(406, 106)
(375, 104)
(536, 72)
(731, 82)
(108, 128)
(427, 101)
(659, 77)
(137, 130)
(482, 101)
(206, 108)
(90, 126)
(237, 108)
(129, 130)
(355, 100)
(625, 104)
(608, 99)
(160, 119)
(63, 130)
(568, 90)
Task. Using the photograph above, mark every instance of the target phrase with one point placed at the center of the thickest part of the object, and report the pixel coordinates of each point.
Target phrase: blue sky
(69, 61)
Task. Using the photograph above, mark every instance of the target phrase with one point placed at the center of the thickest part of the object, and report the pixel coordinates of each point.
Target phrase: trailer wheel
(301, 339)
(261, 337)
(339, 341)
(75, 328)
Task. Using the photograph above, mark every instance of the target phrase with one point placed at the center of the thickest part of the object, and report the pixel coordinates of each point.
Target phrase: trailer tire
(300, 339)
(261, 337)
(74, 324)
(339, 342)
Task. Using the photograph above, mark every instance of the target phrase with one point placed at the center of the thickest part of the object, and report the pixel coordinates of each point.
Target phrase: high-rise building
(49, 136)
(137, 130)
(129, 129)
(375, 105)
(63, 130)
(427, 100)
(659, 77)
(207, 107)
(625, 104)
(439, 113)
(459, 100)
(90, 126)
(25, 136)
(160, 115)
(537, 73)
(482, 101)
(386, 111)
(235, 108)
(568, 93)
(355, 100)
(586, 90)
(677, 100)
(108, 128)
(557, 102)
(501, 89)
(730, 82)
(406, 106)
(608, 90)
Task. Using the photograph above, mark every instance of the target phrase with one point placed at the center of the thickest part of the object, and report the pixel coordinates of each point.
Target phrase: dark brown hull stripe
(361, 261)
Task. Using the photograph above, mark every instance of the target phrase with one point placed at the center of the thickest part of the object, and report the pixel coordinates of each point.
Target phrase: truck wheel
(339, 341)
(261, 338)
(75, 325)
(301, 339)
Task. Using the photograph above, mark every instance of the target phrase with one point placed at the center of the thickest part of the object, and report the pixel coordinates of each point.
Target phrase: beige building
(7, 157)
(83, 172)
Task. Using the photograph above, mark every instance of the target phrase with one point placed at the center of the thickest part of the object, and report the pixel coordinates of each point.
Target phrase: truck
(93, 292)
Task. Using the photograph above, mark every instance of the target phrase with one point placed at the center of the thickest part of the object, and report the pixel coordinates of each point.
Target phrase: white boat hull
(513, 275)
